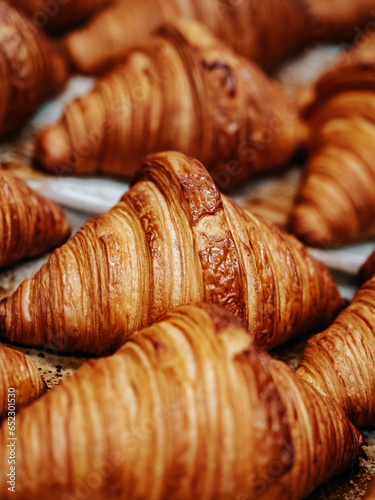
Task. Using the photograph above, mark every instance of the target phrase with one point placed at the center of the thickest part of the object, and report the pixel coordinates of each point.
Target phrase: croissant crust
(192, 405)
(172, 239)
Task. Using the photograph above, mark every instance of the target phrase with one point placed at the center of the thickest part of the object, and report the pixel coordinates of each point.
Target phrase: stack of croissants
(178, 293)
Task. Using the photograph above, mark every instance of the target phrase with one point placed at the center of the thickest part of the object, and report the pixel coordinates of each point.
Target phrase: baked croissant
(172, 239)
(336, 204)
(184, 91)
(339, 362)
(262, 30)
(20, 382)
(59, 13)
(190, 408)
(29, 223)
(32, 68)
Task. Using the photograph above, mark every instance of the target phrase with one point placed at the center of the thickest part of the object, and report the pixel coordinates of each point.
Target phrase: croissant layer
(30, 224)
(186, 91)
(189, 408)
(172, 239)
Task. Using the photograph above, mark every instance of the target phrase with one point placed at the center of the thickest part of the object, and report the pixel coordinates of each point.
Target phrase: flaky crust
(30, 224)
(18, 372)
(188, 409)
(262, 30)
(184, 90)
(172, 239)
(335, 205)
(32, 68)
(340, 361)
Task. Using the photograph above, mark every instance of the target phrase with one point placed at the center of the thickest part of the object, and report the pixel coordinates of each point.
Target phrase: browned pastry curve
(340, 361)
(262, 30)
(19, 375)
(186, 91)
(190, 408)
(336, 204)
(52, 14)
(32, 68)
(172, 239)
(30, 224)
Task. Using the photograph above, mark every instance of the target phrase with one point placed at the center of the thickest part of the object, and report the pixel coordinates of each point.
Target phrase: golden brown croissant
(184, 91)
(262, 30)
(59, 13)
(336, 203)
(20, 382)
(29, 223)
(171, 240)
(339, 362)
(32, 68)
(189, 409)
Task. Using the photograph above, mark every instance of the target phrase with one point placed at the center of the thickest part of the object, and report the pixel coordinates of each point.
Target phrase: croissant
(190, 408)
(32, 68)
(262, 30)
(29, 223)
(339, 362)
(172, 239)
(184, 91)
(59, 13)
(336, 205)
(20, 382)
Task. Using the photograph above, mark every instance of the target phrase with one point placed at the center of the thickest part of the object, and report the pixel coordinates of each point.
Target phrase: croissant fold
(190, 408)
(29, 223)
(172, 239)
(184, 90)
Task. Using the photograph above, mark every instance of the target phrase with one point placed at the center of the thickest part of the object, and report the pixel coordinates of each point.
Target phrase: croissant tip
(308, 225)
(74, 46)
(51, 150)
